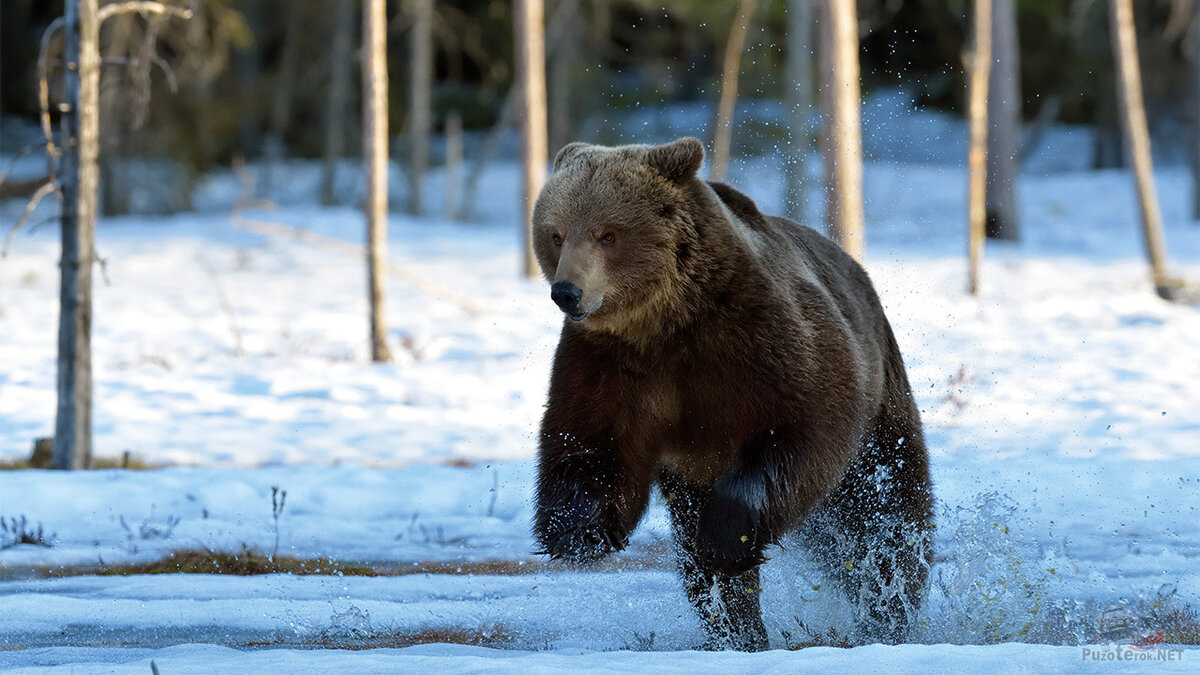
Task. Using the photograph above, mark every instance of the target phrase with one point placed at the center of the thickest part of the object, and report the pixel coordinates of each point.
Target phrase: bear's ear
(678, 160)
(568, 151)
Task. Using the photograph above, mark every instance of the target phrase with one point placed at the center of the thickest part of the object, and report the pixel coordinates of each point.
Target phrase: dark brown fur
(741, 362)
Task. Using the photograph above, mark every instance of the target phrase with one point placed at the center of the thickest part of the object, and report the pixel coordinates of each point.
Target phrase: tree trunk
(799, 98)
(454, 160)
(375, 154)
(565, 52)
(1004, 113)
(248, 67)
(81, 122)
(1137, 141)
(723, 126)
(977, 111)
(1196, 112)
(843, 127)
(420, 120)
(531, 78)
(336, 103)
(281, 105)
(116, 195)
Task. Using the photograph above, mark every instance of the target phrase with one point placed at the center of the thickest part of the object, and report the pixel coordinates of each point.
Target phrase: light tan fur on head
(614, 222)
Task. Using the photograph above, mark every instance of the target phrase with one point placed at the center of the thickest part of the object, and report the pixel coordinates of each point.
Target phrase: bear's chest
(695, 417)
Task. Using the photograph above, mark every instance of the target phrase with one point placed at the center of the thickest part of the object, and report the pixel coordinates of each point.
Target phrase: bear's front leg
(732, 531)
(588, 501)
(778, 478)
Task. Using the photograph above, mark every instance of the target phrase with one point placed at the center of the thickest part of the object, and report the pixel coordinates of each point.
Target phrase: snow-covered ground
(1061, 411)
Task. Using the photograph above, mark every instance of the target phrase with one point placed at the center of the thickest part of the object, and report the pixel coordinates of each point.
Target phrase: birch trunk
(375, 154)
(1137, 140)
(723, 126)
(843, 127)
(531, 78)
(977, 111)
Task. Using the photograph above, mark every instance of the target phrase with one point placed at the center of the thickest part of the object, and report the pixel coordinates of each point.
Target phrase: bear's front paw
(579, 527)
(730, 538)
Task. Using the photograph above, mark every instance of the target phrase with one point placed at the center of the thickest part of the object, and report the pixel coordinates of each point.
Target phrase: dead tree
(531, 78)
(420, 118)
(1004, 115)
(73, 171)
(723, 126)
(977, 110)
(843, 126)
(336, 103)
(375, 155)
(1137, 142)
(78, 181)
(799, 98)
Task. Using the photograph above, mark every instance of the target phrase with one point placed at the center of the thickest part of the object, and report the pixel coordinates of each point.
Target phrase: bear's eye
(607, 239)
(557, 239)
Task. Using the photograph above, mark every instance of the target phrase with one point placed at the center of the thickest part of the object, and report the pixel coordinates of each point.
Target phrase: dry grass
(40, 459)
(201, 561)
(249, 562)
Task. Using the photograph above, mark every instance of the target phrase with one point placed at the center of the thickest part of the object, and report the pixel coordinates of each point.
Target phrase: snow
(1060, 408)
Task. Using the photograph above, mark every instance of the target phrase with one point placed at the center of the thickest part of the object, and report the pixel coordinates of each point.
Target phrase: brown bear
(741, 362)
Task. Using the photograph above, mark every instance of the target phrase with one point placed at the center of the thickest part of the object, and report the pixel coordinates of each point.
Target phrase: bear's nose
(566, 295)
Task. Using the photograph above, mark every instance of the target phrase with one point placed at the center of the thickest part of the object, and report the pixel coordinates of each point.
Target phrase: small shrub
(17, 531)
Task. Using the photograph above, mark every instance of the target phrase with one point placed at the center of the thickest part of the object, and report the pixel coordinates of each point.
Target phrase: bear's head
(613, 230)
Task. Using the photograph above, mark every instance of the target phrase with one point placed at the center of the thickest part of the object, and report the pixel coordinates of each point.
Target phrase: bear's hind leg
(732, 616)
(874, 535)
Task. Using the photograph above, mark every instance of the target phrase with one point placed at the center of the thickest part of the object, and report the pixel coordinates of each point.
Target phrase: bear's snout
(567, 296)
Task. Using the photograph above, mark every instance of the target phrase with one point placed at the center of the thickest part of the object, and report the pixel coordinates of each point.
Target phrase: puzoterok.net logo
(1130, 653)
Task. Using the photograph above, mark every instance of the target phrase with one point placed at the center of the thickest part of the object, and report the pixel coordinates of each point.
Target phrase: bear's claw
(579, 530)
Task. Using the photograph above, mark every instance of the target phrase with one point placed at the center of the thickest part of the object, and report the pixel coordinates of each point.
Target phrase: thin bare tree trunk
(454, 160)
(1196, 111)
(115, 195)
(1004, 114)
(531, 76)
(723, 126)
(565, 53)
(335, 105)
(977, 110)
(281, 104)
(1137, 141)
(799, 98)
(420, 101)
(843, 128)
(375, 154)
(81, 122)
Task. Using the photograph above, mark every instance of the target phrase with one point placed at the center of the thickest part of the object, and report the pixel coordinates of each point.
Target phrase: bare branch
(49, 187)
(13, 162)
(44, 96)
(109, 11)
(168, 73)
(226, 306)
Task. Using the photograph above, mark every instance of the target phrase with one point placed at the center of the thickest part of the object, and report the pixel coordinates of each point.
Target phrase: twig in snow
(309, 237)
(278, 497)
(226, 306)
